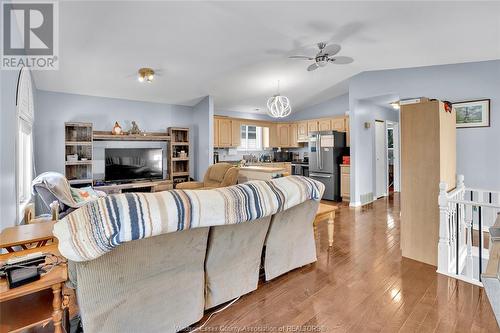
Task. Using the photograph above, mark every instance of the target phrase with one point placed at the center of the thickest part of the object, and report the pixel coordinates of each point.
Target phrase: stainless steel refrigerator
(326, 149)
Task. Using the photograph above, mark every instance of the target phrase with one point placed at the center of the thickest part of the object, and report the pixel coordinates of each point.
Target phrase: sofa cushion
(290, 240)
(150, 285)
(237, 248)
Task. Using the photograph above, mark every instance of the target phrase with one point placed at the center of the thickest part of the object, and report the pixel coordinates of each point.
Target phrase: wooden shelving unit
(78, 140)
(147, 136)
(179, 164)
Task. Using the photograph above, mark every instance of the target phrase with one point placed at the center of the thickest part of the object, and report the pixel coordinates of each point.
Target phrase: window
(251, 138)
(25, 162)
(24, 144)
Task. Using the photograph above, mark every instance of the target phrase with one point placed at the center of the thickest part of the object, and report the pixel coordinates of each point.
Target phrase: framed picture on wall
(473, 113)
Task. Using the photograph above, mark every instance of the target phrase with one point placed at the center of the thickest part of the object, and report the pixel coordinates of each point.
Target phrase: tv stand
(140, 186)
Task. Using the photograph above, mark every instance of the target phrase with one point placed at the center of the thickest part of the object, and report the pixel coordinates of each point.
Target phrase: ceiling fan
(324, 56)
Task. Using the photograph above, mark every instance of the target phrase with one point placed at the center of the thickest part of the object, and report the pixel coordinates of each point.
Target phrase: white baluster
(444, 232)
(480, 225)
(453, 229)
(489, 213)
(468, 224)
(461, 186)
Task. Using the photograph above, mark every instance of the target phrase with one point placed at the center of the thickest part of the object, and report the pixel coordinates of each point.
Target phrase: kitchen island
(257, 172)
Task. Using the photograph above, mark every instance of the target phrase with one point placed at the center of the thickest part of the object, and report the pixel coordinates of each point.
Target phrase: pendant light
(278, 106)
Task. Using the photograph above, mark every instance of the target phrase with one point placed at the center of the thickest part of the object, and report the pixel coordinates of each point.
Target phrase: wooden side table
(23, 235)
(326, 213)
(35, 303)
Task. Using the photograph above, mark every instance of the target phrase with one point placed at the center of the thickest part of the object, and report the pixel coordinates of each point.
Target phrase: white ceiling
(236, 51)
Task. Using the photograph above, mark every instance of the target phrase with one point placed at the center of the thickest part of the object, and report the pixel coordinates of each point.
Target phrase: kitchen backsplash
(232, 154)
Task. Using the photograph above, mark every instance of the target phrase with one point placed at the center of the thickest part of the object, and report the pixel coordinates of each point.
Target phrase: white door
(380, 156)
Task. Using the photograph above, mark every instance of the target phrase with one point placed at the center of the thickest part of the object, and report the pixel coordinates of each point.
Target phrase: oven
(305, 170)
(300, 169)
(296, 169)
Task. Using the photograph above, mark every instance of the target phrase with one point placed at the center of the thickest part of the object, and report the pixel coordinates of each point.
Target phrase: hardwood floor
(361, 285)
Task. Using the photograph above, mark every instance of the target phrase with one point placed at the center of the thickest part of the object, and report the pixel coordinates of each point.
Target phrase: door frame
(397, 157)
(386, 167)
(396, 137)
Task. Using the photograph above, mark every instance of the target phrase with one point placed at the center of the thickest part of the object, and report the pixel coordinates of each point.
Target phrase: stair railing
(465, 214)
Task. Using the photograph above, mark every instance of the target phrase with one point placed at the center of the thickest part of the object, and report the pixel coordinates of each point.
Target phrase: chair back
(221, 175)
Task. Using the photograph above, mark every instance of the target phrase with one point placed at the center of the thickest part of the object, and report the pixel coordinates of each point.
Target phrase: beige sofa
(164, 283)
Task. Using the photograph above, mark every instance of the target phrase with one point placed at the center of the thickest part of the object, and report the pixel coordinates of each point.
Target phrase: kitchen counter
(259, 168)
(248, 173)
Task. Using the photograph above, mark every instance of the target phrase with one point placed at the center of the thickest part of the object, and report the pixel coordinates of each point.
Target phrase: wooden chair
(30, 215)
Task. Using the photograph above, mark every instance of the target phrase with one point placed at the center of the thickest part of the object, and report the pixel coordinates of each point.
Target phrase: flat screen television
(132, 164)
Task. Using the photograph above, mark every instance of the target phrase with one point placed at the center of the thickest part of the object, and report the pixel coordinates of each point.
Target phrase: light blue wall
(367, 112)
(54, 109)
(244, 115)
(203, 116)
(336, 106)
(478, 152)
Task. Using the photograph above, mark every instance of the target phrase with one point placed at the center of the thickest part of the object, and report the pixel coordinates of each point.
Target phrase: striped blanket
(98, 227)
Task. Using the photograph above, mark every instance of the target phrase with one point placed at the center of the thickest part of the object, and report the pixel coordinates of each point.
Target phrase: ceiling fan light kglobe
(322, 63)
(279, 106)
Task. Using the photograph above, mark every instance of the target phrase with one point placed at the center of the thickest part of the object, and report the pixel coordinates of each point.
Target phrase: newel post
(444, 247)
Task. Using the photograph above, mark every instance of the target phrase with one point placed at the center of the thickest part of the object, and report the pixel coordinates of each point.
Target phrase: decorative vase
(117, 129)
(135, 129)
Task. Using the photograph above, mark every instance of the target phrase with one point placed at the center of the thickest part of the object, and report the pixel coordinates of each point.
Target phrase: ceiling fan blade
(301, 57)
(312, 67)
(331, 49)
(341, 60)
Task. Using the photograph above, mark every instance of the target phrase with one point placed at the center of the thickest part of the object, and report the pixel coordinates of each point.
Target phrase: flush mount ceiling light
(278, 106)
(146, 75)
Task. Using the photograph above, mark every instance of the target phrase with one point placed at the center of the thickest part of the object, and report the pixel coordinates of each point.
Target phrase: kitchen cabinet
(287, 135)
(324, 125)
(216, 132)
(293, 135)
(345, 182)
(273, 136)
(338, 124)
(283, 135)
(312, 126)
(225, 132)
(288, 168)
(302, 133)
(235, 133)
